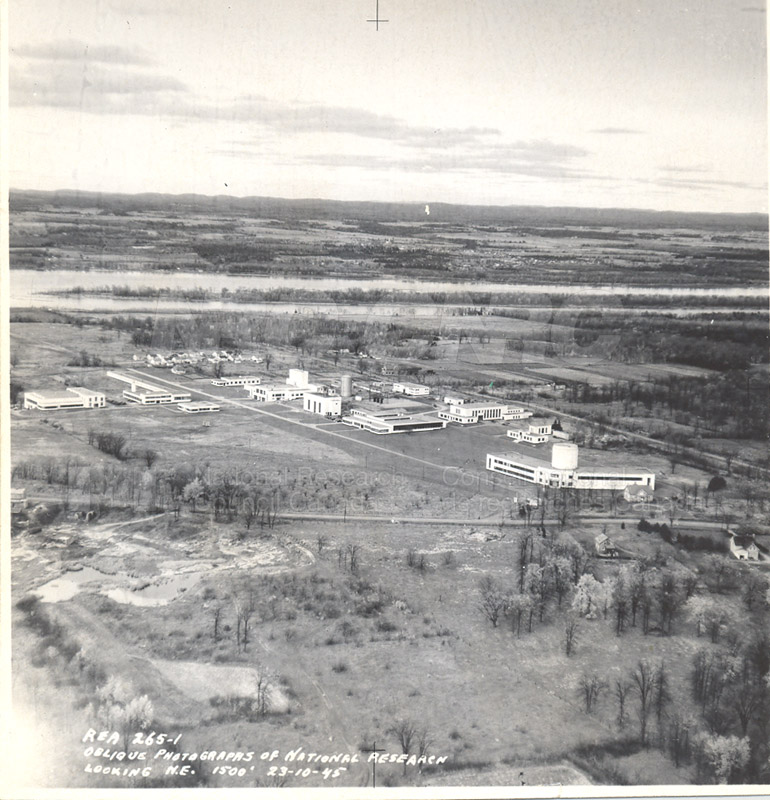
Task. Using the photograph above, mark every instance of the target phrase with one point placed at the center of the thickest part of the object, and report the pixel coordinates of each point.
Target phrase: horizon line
(12, 189)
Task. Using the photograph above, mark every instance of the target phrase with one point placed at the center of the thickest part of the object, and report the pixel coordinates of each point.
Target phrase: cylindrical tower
(564, 455)
(346, 389)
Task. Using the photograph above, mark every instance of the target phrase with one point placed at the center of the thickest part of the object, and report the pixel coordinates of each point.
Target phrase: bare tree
(405, 732)
(622, 688)
(644, 680)
(570, 632)
(320, 543)
(492, 600)
(589, 688)
(149, 457)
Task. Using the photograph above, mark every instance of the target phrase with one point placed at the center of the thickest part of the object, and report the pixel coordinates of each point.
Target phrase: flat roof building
(532, 433)
(391, 421)
(72, 397)
(236, 380)
(562, 470)
(198, 407)
(327, 405)
(468, 413)
(411, 389)
(148, 394)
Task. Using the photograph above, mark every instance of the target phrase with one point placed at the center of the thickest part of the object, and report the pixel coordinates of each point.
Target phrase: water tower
(346, 388)
(564, 455)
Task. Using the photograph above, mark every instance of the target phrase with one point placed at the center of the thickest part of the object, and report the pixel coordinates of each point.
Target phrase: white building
(562, 471)
(297, 384)
(411, 389)
(147, 394)
(198, 407)
(391, 421)
(72, 397)
(469, 413)
(744, 548)
(236, 380)
(534, 433)
(327, 405)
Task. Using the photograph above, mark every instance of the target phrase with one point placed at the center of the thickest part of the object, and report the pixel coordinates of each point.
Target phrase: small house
(744, 548)
(604, 546)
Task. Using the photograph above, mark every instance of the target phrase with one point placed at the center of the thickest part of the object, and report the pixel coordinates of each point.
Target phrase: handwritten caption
(161, 754)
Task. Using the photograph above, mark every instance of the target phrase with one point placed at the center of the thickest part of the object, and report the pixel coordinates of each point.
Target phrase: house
(637, 494)
(18, 500)
(744, 548)
(604, 546)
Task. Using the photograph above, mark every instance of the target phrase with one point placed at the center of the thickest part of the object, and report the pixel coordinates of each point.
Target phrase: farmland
(261, 579)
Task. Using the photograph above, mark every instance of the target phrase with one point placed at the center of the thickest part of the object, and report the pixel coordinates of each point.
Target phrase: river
(37, 289)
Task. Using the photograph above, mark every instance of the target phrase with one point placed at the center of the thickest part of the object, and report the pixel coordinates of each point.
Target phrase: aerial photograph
(385, 397)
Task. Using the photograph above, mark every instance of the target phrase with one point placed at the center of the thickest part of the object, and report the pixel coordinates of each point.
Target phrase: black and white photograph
(385, 398)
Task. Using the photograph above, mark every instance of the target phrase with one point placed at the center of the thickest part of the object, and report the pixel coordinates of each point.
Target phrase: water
(117, 587)
(27, 283)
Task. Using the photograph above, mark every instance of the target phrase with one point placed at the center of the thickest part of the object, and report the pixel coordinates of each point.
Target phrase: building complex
(469, 413)
(391, 421)
(236, 380)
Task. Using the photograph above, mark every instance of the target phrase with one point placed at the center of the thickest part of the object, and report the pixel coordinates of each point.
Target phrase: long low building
(72, 397)
(236, 380)
(198, 407)
(148, 394)
(563, 472)
(275, 392)
(386, 422)
(470, 413)
(411, 389)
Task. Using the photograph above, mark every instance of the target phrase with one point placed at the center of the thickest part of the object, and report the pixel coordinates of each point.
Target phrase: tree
(150, 457)
(492, 600)
(643, 679)
(263, 685)
(589, 597)
(404, 731)
(570, 632)
(621, 689)
(193, 492)
(517, 605)
(727, 756)
(754, 589)
(589, 688)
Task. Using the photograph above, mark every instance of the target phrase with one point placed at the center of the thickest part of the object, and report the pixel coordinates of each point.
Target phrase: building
(455, 400)
(744, 548)
(391, 421)
(294, 389)
(72, 397)
(604, 546)
(562, 470)
(148, 394)
(411, 389)
(236, 380)
(18, 500)
(533, 433)
(637, 494)
(198, 407)
(275, 392)
(327, 405)
(468, 413)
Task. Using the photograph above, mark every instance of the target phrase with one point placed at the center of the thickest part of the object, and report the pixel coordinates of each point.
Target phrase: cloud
(532, 159)
(618, 131)
(95, 89)
(685, 170)
(82, 52)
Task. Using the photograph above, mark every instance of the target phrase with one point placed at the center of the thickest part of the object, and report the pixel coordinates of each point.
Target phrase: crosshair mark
(377, 19)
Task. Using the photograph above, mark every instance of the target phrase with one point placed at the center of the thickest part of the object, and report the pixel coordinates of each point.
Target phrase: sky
(656, 104)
